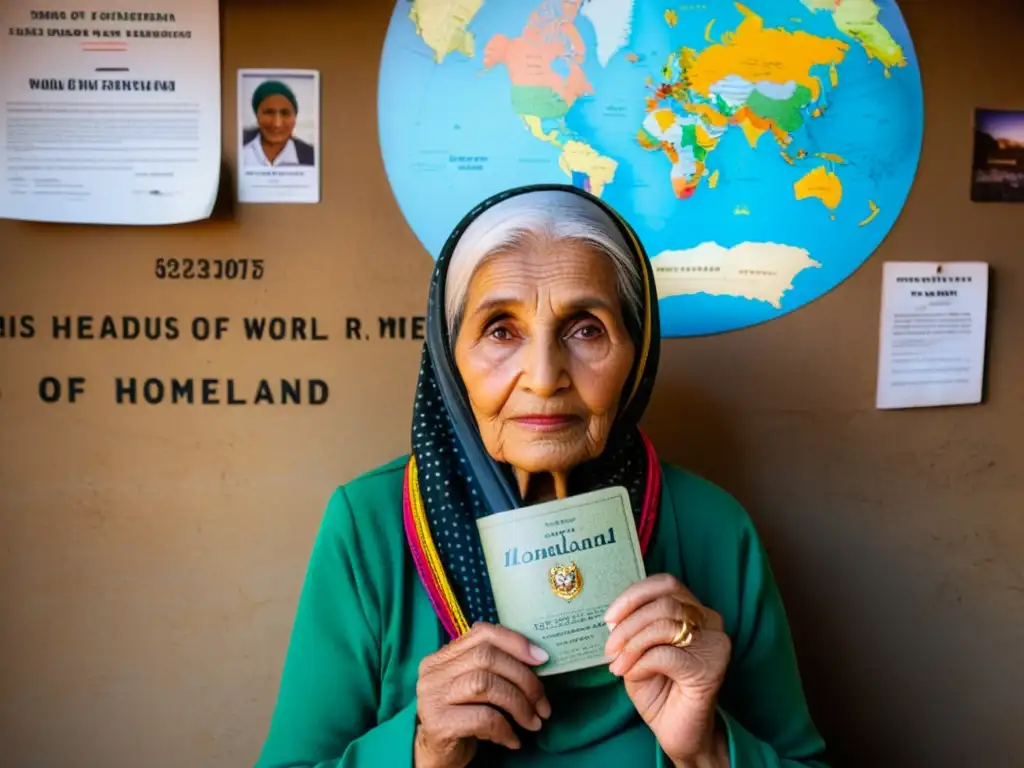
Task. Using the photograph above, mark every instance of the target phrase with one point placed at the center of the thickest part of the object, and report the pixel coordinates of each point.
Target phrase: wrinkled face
(276, 119)
(544, 354)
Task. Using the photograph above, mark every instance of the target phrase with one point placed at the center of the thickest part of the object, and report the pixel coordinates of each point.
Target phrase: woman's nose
(544, 369)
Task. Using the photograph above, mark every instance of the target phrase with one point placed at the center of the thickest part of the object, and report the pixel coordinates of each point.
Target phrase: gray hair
(554, 214)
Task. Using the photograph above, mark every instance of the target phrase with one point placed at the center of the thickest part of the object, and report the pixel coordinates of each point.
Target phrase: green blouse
(348, 690)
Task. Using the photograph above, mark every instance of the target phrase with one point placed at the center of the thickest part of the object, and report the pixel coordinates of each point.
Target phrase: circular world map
(761, 151)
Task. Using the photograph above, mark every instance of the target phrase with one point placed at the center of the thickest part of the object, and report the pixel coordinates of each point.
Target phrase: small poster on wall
(932, 335)
(110, 116)
(998, 174)
(278, 136)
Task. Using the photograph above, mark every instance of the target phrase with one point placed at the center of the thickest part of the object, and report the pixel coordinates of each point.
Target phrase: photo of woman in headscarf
(542, 349)
(272, 142)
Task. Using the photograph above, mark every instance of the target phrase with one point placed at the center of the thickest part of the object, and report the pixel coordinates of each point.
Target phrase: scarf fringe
(424, 554)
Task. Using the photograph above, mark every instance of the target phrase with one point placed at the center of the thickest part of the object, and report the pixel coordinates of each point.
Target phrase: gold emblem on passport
(566, 581)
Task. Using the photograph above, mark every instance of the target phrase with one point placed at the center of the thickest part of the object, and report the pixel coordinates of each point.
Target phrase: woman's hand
(673, 688)
(463, 686)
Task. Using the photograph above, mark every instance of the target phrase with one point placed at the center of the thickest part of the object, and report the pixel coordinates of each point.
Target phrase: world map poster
(762, 151)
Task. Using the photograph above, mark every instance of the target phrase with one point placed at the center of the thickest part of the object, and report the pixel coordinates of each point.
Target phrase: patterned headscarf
(451, 480)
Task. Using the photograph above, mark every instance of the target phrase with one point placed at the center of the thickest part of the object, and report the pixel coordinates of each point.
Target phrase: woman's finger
(476, 721)
(658, 661)
(659, 632)
(512, 643)
(707, 654)
(478, 686)
(489, 658)
(664, 607)
(703, 664)
(651, 588)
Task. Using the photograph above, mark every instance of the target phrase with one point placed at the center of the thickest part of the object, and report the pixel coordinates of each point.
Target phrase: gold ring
(690, 627)
(685, 635)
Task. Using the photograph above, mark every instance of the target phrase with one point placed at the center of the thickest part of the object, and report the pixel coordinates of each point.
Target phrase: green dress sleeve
(762, 705)
(326, 711)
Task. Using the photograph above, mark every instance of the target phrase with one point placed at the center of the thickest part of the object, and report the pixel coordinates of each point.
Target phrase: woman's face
(276, 119)
(544, 354)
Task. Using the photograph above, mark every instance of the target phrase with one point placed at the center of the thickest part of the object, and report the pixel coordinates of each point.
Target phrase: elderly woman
(541, 353)
(272, 143)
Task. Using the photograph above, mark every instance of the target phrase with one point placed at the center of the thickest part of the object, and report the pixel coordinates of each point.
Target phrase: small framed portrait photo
(278, 136)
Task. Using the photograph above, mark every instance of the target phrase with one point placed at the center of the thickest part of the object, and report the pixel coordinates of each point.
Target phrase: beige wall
(150, 557)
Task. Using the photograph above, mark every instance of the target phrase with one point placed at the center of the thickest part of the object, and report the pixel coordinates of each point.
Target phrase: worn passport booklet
(556, 567)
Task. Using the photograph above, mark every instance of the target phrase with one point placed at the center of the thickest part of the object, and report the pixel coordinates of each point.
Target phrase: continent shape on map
(443, 25)
(859, 20)
(820, 184)
(755, 271)
(612, 21)
(767, 87)
(542, 95)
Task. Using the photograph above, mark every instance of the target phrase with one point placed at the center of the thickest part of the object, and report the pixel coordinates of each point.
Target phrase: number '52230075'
(209, 269)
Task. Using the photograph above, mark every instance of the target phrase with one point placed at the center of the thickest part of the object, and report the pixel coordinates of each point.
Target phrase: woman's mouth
(546, 422)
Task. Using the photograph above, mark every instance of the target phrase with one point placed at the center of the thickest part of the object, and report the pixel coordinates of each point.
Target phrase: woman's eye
(500, 333)
(587, 332)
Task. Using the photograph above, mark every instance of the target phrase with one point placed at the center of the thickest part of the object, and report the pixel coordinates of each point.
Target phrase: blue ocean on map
(451, 136)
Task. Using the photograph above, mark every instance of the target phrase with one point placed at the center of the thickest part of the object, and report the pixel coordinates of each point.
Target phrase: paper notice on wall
(932, 340)
(110, 117)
